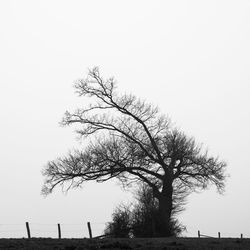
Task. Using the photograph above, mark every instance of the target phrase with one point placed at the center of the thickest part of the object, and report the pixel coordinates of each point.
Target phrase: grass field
(115, 244)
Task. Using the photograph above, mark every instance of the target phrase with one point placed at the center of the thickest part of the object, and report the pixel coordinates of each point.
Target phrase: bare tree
(133, 142)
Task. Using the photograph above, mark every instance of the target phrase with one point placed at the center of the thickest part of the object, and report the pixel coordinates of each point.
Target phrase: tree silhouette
(132, 141)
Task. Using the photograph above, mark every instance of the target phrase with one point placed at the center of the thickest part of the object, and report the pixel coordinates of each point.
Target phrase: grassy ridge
(117, 244)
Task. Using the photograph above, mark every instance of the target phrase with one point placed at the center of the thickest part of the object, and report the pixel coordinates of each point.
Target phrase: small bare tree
(134, 143)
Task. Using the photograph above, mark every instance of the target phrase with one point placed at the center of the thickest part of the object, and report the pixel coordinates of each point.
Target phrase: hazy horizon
(191, 58)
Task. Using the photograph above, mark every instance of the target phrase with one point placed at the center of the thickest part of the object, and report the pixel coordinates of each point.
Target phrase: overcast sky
(191, 58)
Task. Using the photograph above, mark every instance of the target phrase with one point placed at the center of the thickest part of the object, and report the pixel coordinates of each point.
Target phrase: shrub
(120, 226)
(141, 219)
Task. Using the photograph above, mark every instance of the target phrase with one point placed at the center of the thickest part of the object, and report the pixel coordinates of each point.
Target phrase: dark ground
(115, 244)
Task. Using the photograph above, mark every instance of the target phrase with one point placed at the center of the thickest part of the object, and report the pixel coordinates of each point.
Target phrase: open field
(115, 244)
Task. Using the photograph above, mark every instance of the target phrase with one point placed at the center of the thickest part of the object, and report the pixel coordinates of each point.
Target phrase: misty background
(191, 58)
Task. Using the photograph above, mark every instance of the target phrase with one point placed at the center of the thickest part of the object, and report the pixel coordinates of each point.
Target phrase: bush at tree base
(140, 220)
(120, 227)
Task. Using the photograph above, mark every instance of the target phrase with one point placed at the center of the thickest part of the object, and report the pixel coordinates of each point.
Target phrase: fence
(207, 236)
(59, 230)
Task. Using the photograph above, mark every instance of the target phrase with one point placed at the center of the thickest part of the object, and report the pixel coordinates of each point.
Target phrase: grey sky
(191, 58)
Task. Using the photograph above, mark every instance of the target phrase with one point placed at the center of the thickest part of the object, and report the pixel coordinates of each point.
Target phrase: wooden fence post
(218, 234)
(28, 229)
(199, 235)
(90, 231)
(59, 231)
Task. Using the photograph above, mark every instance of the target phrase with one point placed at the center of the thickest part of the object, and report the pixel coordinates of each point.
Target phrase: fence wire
(50, 230)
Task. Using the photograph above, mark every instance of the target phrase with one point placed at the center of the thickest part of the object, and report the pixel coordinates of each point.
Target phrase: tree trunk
(165, 209)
